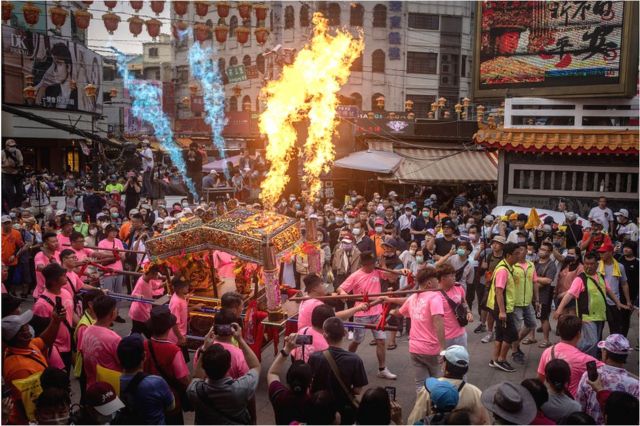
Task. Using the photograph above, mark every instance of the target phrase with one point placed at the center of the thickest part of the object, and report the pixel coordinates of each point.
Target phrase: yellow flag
(30, 390)
(104, 374)
(533, 221)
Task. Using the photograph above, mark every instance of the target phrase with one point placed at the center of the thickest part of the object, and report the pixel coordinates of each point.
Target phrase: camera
(223, 330)
(304, 339)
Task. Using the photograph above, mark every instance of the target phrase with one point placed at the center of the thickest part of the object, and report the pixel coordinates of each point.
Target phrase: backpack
(130, 414)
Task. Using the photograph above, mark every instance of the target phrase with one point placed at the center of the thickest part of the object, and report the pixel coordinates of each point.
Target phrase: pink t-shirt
(361, 282)
(63, 241)
(42, 308)
(452, 327)
(99, 346)
(502, 277)
(42, 259)
(420, 307)
(140, 311)
(318, 344)
(305, 311)
(576, 359)
(180, 308)
(577, 286)
(83, 253)
(73, 280)
(158, 287)
(115, 244)
(224, 264)
(239, 366)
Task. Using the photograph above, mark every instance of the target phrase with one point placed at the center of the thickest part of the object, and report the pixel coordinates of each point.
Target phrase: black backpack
(130, 415)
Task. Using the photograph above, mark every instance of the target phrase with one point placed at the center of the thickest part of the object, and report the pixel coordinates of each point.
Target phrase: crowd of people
(505, 277)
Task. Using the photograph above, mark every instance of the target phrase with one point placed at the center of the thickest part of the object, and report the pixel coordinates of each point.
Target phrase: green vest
(509, 291)
(524, 284)
(591, 304)
(83, 228)
(85, 321)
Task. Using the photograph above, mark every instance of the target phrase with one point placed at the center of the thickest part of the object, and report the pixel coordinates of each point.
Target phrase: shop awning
(444, 166)
(370, 161)
(219, 165)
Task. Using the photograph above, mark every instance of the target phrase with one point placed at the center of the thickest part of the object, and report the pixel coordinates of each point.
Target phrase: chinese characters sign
(555, 45)
(236, 74)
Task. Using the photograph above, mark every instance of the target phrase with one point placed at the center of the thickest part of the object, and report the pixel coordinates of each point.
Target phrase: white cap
(622, 212)
(158, 221)
(6, 218)
(59, 212)
(393, 194)
(133, 211)
(12, 324)
(187, 210)
(570, 216)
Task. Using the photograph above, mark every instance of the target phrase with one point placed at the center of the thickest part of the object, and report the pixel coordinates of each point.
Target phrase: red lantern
(58, 16)
(111, 21)
(261, 11)
(223, 9)
(88, 2)
(202, 8)
(110, 4)
(135, 25)
(201, 32)
(7, 7)
(136, 5)
(221, 33)
(180, 7)
(153, 27)
(244, 9)
(242, 34)
(157, 7)
(261, 35)
(83, 19)
(179, 27)
(31, 13)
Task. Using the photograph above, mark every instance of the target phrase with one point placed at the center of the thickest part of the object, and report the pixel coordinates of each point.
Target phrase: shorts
(358, 333)
(546, 298)
(506, 331)
(526, 314)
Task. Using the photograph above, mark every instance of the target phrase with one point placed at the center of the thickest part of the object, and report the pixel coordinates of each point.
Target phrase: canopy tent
(370, 161)
(220, 165)
(444, 166)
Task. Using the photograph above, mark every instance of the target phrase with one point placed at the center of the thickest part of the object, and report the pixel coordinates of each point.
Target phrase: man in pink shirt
(77, 245)
(74, 283)
(100, 343)
(318, 342)
(179, 307)
(224, 336)
(139, 312)
(64, 237)
(366, 280)
(569, 328)
(113, 281)
(452, 293)
(55, 297)
(47, 255)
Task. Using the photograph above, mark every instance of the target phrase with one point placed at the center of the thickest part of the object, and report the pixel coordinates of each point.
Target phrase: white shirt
(147, 159)
(606, 215)
(629, 230)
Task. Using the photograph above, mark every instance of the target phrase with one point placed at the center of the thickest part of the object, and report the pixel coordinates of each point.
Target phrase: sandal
(545, 344)
(392, 347)
(373, 342)
(529, 341)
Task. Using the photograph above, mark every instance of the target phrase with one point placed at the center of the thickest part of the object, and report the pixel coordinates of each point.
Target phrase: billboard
(555, 48)
(60, 70)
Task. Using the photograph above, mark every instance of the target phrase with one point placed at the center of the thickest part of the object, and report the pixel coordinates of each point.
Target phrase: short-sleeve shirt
(361, 282)
(115, 244)
(547, 270)
(99, 346)
(82, 254)
(467, 273)
(152, 397)
(318, 344)
(180, 308)
(577, 287)
(605, 215)
(576, 359)
(421, 307)
(443, 246)
(63, 241)
(41, 259)
(305, 311)
(351, 369)
(558, 406)
(239, 366)
(74, 283)
(452, 327)
(10, 243)
(287, 406)
(614, 281)
(43, 308)
(140, 311)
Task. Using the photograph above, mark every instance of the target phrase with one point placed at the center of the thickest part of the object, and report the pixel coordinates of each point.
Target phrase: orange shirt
(10, 242)
(124, 230)
(19, 363)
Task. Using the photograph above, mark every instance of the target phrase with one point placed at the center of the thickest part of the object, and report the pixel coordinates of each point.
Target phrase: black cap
(367, 257)
(522, 217)
(390, 243)
(449, 224)
(53, 271)
(548, 220)
(161, 319)
(132, 344)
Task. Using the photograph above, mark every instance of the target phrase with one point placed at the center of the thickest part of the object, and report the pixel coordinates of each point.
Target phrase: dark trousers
(475, 291)
(618, 320)
(11, 191)
(66, 359)
(146, 183)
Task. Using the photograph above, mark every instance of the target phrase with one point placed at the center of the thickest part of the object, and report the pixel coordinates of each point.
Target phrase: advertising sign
(60, 70)
(555, 48)
(236, 74)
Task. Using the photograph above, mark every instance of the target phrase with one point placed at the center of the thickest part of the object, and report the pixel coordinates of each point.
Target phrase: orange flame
(306, 89)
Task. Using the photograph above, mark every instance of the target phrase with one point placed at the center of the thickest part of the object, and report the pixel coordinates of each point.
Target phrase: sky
(122, 39)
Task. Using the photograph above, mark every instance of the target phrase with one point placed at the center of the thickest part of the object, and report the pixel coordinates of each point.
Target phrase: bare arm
(438, 323)
(568, 297)
(50, 333)
(500, 300)
(276, 367)
(348, 313)
(249, 356)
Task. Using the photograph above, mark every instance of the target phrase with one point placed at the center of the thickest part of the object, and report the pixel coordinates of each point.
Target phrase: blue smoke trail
(205, 69)
(147, 99)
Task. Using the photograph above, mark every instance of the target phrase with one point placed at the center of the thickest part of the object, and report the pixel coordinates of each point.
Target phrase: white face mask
(356, 231)
(379, 229)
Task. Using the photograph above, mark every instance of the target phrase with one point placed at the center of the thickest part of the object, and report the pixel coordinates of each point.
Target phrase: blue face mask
(461, 252)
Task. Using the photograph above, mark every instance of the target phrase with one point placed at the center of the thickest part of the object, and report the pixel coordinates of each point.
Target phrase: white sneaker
(488, 338)
(386, 374)
(350, 336)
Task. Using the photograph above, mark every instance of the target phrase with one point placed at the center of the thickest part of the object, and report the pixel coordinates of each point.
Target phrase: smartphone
(6, 391)
(592, 371)
(304, 339)
(58, 304)
(391, 391)
(223, 330)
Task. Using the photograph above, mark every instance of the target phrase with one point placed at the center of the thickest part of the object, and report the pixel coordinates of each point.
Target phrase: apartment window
(304, 16)
(233, 61)
(380, 16)
(421, 104)
(233, 103)
(288, 17)
(260, 63)
(334, 14)
(463, 66)
(377, 61)
(246, 61)
(424, 21)
(452, 24)
(182, 74)
(233, 24)
(422, 63)
(153, 52)
(246, 103)
(357, 15)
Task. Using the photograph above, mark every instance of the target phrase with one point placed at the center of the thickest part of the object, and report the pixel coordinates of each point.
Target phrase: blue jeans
(591, 335)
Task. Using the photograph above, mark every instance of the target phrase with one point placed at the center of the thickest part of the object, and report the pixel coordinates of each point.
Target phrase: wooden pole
(399, 293)
(111, 249)
(213, 276)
